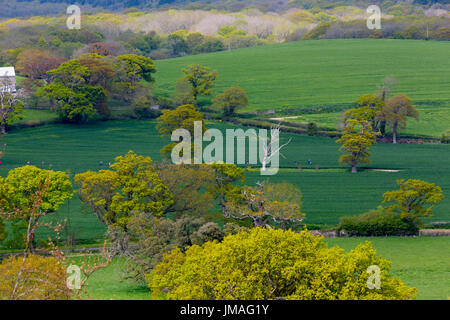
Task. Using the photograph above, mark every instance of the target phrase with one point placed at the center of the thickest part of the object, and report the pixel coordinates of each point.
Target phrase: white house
(7, 79)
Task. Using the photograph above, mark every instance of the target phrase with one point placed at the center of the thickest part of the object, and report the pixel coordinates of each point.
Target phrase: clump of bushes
(445, 137)
(157, 236)
(312, 129)
(442, 33)
(378, 223)
(273, 264)
(146, 112)
(317, 32)
(210, 231)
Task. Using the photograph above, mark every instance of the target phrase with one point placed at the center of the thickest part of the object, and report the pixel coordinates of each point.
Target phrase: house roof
(7, 72)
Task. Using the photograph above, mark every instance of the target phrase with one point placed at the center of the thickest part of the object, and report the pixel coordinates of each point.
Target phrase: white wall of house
(7, 79)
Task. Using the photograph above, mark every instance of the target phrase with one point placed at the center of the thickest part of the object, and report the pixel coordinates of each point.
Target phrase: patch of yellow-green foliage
(273, 264)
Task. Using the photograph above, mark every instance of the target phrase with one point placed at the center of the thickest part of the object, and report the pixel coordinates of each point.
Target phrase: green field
(419, 262)
(110, 283)
(35, 116)
(422, 262)
(327, 194)
(330, 73)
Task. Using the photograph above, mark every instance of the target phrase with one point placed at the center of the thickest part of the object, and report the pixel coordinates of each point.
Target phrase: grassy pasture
(330, 73)
(421, 262)
(328, 193)
(311, 73)
(34, 116)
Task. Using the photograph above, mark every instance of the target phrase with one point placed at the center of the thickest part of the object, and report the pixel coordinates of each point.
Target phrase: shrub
(158, 236)
(378, 223)
(445, 137)
(3, 233)
(233, 228)
(317, 32)
(376, 34)
(273, 264)
(41, 279)
(333, 134)
(312, 129)
(442, 33)
(144, 112)
(208, 232)
(411, 32)
(209, 46)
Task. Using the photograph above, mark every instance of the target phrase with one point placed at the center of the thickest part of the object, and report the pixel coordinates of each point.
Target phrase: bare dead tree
(273, 147)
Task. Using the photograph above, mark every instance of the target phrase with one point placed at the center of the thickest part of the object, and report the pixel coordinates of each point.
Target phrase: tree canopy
(11, 108)
(130, 186)
(266, 203)
(396, 112)
(136, 68)
(231, 100)
(183, 117)
(369, 107)
(30, 193)
(356, 140)
(201, 79)
(415, 199)
(74, 99)
(273, 264)
(38, 278)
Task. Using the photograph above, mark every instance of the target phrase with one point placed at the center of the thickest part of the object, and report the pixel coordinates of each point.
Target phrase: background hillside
(18, 8)
(323, 78)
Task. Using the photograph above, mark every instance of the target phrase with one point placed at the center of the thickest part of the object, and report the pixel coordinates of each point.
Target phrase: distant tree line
(18, 8)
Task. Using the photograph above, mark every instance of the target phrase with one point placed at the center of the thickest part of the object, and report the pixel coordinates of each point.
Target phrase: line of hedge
(377, 223)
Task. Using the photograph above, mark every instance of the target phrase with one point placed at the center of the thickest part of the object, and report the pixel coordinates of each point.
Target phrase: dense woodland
(16, 8)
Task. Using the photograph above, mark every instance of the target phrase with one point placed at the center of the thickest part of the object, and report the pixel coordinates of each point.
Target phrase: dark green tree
(201, 79)
(231, 100)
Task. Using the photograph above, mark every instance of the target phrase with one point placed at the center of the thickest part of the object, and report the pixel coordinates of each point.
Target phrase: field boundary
(422, 233)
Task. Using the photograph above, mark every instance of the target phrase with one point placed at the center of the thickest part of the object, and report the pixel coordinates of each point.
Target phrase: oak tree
(35, 64)
(356, 140)
(414, 200)
(30, 193)
(396, 112)
(183, 117)
(129, 187)
(266, 203)
(74, 99)
(369, 107)
(201, 79)
(135, 68)
(231, 100)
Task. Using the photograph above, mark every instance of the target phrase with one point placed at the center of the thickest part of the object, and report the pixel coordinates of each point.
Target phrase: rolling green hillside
(330, 73)
(311, 73)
